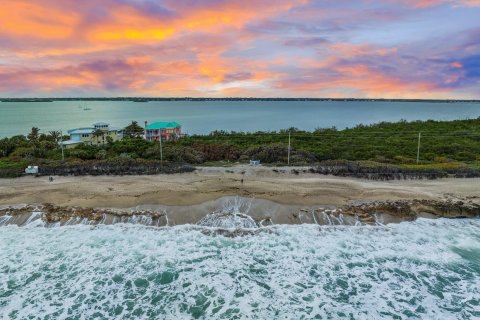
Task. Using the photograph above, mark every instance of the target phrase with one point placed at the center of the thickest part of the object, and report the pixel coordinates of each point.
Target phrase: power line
(289, 147)
(319, 135)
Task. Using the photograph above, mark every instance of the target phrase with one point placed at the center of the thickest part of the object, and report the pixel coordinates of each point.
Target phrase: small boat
(86, 109)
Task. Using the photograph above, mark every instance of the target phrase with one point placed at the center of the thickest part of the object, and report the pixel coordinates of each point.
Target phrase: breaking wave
(425, 269)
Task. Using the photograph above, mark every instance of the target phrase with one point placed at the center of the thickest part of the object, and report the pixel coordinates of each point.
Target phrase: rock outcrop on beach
(113, 168)
(100, 168)
(415, 208)
(387, 172)
(50, 214)
(373, 212)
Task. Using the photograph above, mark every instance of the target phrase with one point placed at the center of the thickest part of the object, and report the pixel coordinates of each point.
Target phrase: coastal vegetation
(448, 147)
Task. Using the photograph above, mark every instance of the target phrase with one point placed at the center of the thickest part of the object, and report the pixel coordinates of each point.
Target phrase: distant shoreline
(147, 99)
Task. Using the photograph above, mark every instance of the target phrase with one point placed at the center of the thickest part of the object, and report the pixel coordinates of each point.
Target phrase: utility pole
(161, 151)
(288, 157)
(61, 145)
(418, 147)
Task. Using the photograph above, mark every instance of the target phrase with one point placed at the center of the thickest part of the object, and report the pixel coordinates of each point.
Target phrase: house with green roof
(164, 130)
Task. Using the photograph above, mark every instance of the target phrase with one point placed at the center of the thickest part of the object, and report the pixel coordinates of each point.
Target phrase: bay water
(202, 117)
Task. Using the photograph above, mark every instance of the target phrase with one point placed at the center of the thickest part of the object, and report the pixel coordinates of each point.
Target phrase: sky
(247, 48)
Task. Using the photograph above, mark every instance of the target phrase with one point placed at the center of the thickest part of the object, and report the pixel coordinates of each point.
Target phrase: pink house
(166, 130)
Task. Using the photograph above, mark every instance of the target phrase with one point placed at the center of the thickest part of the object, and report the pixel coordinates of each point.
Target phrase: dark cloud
(305, 41)
(237, 76)
(471, 65)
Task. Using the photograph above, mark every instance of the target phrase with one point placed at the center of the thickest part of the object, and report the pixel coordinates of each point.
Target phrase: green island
(437, 148)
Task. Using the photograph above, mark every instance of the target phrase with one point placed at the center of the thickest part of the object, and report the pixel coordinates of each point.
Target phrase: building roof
(101, 124)
(89, 130)
(71, 142)
(81, 130)
(162, 125)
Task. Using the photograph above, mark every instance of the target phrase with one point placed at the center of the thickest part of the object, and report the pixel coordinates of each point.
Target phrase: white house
(88, 135)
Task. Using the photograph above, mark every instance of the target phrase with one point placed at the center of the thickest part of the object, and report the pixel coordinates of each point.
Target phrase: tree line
(389, 143)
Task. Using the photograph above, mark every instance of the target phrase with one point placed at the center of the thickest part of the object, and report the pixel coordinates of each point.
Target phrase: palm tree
(98, 133)
(55, 135)
(33, 135)
(33, 139)
(133, 130)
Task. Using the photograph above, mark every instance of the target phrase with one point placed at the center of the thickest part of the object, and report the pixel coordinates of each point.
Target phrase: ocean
(201, 117)
(423, 269)
(426, 269)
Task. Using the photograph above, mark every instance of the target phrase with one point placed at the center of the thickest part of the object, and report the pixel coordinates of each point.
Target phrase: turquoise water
(427, 269)
(206, 116)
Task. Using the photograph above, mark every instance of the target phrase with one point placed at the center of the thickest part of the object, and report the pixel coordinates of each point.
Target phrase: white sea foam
(233, 215)
(427, 269)
(35, 219)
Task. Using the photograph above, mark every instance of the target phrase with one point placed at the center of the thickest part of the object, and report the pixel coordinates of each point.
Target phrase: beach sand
(280, 185)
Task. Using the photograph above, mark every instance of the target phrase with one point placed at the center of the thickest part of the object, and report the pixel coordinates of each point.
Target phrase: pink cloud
(230, 47)
(430, 3)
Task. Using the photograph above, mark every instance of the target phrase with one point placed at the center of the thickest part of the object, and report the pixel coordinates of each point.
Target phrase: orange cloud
(128, 25)
(124, 25)
(457, 65)
(235, 14)
(229, 47)
(26, 19)
(362, 82)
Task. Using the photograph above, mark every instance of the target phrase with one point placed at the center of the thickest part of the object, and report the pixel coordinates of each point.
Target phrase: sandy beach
(280, 185)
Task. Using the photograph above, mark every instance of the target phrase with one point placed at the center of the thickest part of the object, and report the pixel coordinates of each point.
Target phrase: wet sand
(280, 185)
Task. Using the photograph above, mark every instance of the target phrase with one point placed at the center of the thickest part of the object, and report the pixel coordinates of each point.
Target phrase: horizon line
(143, 98)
